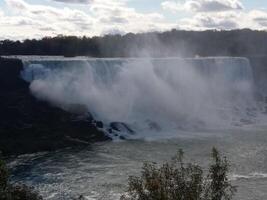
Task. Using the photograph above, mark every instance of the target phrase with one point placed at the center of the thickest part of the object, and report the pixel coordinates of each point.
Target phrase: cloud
(75, 1)
(64, 19)
(259, 17)
(107, 2)
(255, 19)
(98, 17)
(203, 5)
(217, 14)
(17, 4)
(203, 21)
(101, 16)
(172, 6)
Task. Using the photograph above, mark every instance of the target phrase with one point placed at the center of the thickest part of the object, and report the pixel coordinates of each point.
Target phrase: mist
(150, 94)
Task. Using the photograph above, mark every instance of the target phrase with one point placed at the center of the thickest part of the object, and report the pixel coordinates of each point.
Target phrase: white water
(154, 97)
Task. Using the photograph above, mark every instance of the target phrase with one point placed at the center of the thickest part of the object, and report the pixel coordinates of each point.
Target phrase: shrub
(14, 192)
(177, 180)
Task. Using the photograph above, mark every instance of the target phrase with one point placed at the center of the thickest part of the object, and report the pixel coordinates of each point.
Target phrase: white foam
(255, 175)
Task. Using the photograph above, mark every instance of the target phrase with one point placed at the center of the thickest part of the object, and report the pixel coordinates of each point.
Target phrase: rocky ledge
(28, 125)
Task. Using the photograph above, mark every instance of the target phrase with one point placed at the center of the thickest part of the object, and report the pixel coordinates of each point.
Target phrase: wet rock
(99, 124)
(121, 127)
(122, 137)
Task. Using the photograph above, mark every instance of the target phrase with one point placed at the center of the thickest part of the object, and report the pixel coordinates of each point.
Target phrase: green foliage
(179, 181)
(14, 192)
(219, 187)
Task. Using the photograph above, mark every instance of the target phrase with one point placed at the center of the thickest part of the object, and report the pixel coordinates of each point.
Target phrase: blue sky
(250, 4)
(154, 5)
(20, 19)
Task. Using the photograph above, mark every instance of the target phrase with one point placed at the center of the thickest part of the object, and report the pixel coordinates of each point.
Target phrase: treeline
(171, 43)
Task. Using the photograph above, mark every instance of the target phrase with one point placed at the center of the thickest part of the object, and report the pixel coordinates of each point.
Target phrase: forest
(178, 43)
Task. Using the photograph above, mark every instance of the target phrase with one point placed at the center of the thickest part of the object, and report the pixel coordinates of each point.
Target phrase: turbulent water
(101, 172)
(198, 103)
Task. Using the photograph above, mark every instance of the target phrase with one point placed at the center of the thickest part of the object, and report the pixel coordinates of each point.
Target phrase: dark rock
(121, 127)
(122, 137)
(99, 124)
(28, 125)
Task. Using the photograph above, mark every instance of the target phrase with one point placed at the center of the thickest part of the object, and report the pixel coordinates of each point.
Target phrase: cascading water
(149, 96)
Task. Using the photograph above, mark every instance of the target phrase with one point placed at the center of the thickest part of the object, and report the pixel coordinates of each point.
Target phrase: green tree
(177, 180)
(219, 186)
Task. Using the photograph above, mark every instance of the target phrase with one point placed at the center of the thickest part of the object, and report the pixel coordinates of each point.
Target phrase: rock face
(28, 125)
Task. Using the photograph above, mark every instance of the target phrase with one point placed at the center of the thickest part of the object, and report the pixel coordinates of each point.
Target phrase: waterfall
(149, 95)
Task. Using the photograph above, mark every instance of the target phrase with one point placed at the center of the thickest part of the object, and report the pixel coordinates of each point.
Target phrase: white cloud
(254, 19)
(172, 6)
(42, 20)
(203, 21)
(1, 13)
(17, 4)
(106, 2)
(22, 20)
(203, 5)
(126, 19)
(259, 16)
(101, 17)
(217, 14)
(75, 1)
